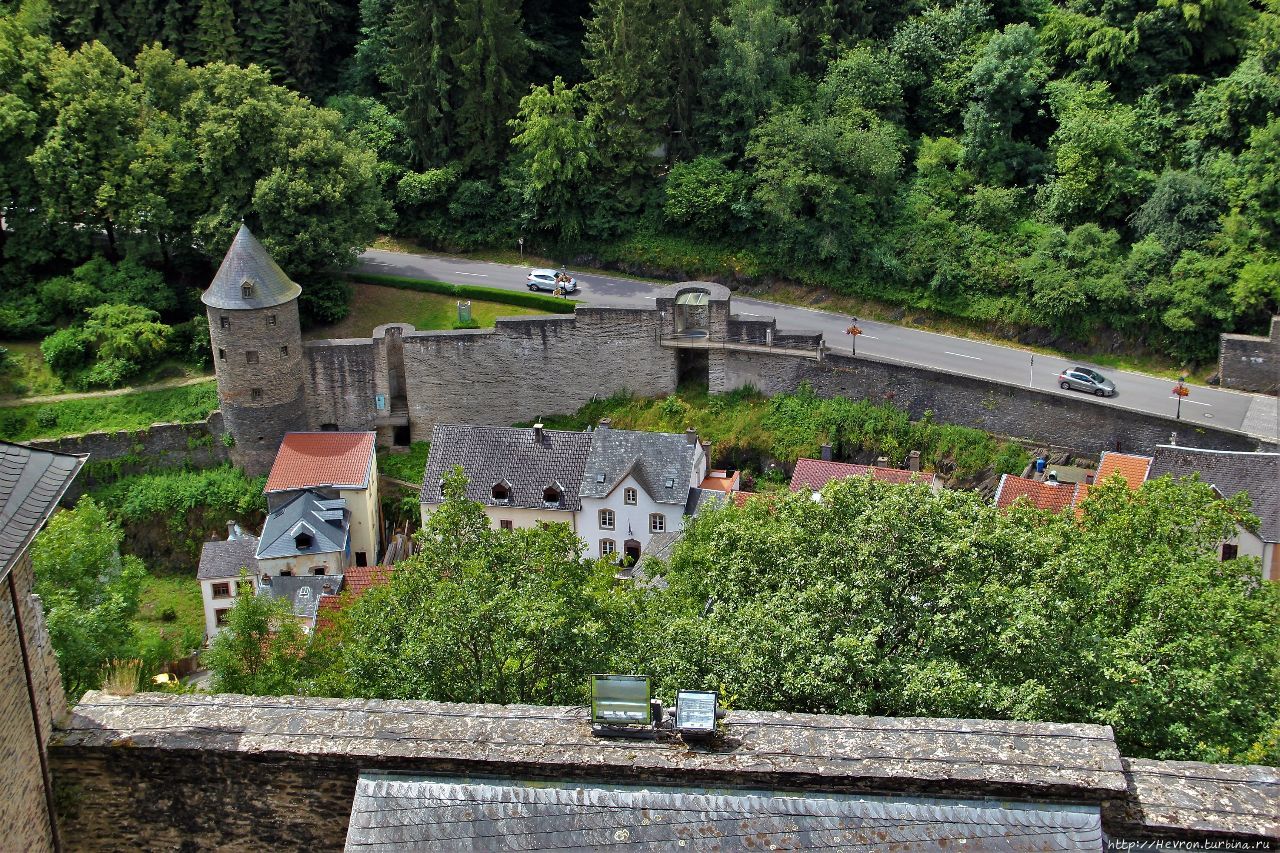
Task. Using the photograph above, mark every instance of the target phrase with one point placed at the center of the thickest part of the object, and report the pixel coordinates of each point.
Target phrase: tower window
(222, 354)
(251, 356)
(246, 290)
(255, 394)
(284, 351)
(224, 321)
(271, 319)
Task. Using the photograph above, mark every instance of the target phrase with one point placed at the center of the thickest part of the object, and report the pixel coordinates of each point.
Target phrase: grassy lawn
(408, 467)
(125, 412)
(32, 378)
(372, 305)
(170, 608)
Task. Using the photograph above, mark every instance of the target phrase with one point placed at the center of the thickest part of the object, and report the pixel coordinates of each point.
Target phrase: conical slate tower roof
(248, 262)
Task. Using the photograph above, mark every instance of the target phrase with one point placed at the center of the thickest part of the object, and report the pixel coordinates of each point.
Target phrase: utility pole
(1180, 390)
(1031, 382)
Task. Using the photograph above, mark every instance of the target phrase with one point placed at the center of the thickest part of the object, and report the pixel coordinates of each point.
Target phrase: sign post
(521, 242)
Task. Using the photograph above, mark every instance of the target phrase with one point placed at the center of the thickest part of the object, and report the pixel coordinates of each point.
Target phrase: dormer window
(302, 541)
(552, 496)
(501, 492)
(246, 290)
(629, 496)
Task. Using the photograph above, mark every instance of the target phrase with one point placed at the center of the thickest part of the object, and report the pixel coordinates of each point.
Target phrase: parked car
(1084, 379)
(549, 280)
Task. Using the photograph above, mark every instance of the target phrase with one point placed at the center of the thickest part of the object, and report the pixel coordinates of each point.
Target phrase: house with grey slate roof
(615, 488)
(309, 535)
(1230, 473)
(221, 562)
(302, 594)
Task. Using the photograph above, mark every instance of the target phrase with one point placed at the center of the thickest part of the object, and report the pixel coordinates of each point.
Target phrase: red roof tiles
(1133, 469)
(720, 481)
(360, 578)
(815, 473)
(310, 459)
(1054, 498)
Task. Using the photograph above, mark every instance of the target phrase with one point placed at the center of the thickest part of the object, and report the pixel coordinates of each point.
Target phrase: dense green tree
(89, 593)
(703, 195)
(484, 615)
(261, 649)
(934, 52)
(490, 60)
(968, 611)
(1007, 82)
(1181, 212)
(25, 110)
(215, 37)
(751, 69)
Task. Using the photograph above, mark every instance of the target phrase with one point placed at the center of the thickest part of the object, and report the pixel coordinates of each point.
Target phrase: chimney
(266, 579)
(537, 433)
(233, 531)
(326, 588)
(605, 423)
(1052, 479)
(913, 460)
(826, 453)
(882, 461)
(691, 435)
(1173, 438)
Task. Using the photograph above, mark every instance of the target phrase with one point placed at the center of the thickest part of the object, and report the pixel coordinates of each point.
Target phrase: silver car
(546, 280)
(1084, 379)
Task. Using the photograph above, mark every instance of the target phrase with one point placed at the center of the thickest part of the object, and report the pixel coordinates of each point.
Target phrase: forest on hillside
(1098, 169)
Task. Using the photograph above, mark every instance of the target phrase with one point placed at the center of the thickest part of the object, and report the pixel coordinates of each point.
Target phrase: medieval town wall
(1251, 362)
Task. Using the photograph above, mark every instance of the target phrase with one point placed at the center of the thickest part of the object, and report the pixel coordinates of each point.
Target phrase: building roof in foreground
(248, 262)
(326, 521)
(31, 484)
(661, 462)
(1042, 495)
(310, 460)
(1230, 472)
(224, 558)
(302, 592)
(816, 473)
(1133, 469)
(526, 463)
(412, 812)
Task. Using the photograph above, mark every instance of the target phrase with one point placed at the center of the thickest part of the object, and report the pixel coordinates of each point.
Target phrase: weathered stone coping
(1025, 760)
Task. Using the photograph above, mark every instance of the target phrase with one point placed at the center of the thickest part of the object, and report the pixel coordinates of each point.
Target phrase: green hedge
(523, 298)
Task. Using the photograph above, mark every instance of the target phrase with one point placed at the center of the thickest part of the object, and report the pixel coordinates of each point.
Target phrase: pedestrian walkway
(115, 392)
(1263, 418)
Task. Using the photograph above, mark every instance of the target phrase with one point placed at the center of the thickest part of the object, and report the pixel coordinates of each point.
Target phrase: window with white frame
(608, 547)
(657, 522)
(629, 496)
(606, 519)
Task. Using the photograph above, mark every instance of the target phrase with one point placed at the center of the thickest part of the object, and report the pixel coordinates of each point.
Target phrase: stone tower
(257, 351)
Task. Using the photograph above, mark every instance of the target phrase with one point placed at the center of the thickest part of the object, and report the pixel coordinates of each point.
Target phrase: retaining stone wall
(1251, 362)
(954, 398)
(341, 383)
(116, 454)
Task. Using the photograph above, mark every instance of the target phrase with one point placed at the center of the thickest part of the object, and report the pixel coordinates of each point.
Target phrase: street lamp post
(1180, 390)
(853, 331)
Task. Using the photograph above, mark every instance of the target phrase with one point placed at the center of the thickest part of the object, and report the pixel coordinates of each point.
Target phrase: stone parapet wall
(956, 398)
(117, 454)
(1251, 362)
(342, 383)
(234, 772)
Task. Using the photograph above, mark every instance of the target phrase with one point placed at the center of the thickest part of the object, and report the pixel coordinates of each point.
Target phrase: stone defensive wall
(164, 771)
(1251, 362)
(528, 367)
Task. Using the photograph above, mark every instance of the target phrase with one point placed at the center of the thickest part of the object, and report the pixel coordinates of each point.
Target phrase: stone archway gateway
(631, 551)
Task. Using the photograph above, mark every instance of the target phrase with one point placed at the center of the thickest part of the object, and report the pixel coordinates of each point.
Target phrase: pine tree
(490, 61)
(418, 74)
(215, 38)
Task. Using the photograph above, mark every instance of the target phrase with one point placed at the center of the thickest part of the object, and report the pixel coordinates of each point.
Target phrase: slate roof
(1133, 469)
(652, 458)
(31, 484)
(393, 812)
(249, 261)
(1041, 495)
(700, 499)
(224, 558)
(1230, 472)
(308, 460)
(326, 520)
(303, 592)
(489, 455)
(815, 473)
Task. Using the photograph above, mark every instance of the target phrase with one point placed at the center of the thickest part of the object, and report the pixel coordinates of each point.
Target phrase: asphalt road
(1135, 391)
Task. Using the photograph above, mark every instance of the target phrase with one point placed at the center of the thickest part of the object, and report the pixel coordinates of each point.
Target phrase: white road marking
(476, 274)
(1193, 402)
(962, 355)
(380, 263)
(868, 337)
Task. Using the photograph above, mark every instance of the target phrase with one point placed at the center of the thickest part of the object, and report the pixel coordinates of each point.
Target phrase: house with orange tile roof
(722, 481)
(1132, 469)
(813, 474)
(333, 465)
(1047, 495)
